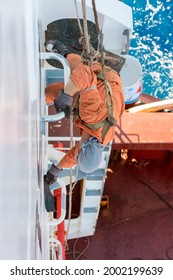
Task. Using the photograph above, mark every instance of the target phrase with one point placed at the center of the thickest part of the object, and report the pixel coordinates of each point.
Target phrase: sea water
(152, 44)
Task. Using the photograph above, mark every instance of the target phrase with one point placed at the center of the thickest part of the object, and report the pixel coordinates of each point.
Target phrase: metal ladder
(93, 183)
(54, 246)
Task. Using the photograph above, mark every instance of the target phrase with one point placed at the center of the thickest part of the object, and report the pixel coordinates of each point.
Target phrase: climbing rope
(108, 89)
(79, 23)
(88, 54)
(96, 20)
(88, 59)
(71, 186)
(71, 177)
(86, 39)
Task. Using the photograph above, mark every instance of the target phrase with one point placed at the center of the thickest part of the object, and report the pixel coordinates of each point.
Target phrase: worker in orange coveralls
(96, 131)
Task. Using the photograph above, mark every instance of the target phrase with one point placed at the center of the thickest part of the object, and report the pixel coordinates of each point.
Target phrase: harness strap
(106, 127)
(93, 126)
(78, 95)
(110, 105)
(109, 121)
(106, 124)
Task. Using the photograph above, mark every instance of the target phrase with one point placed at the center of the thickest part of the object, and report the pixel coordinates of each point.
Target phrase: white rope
(85, 27)
(71, 174)
(72, 186)
(78, 19)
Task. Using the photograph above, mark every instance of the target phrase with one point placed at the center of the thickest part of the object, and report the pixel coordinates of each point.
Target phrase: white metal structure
(26, 231)
(93, 185)
(20, 150)
(116, 29)
(116, 36)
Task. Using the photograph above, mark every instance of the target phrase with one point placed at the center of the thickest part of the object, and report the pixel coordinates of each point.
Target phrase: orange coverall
(92, 102)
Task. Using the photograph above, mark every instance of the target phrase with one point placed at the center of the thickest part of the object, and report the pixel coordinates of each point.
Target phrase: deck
(145, 131)
(138, 223)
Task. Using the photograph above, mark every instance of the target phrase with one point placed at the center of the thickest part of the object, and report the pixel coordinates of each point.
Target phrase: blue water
(152, 44)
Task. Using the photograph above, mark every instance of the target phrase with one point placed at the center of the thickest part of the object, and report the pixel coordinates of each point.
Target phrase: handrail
(53, 118)
(62, 59)
(59, 246)
(66, 66)
(63, 138)
(55, 222)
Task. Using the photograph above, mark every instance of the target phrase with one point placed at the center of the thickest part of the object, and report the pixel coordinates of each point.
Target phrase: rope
(71, 174)
(89, 53)
(85, 39)
(79, 23)
(86, 46)
(96, 19)
(85, 27)
(72, 186)
(83, 251)
(108, 89)
(77, 254)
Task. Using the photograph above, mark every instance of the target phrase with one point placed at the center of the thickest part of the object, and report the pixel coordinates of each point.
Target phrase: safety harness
(87, 48)
(110, 120)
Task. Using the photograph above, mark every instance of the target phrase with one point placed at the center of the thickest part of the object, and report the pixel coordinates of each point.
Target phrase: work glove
(49, 179)
(67, 111)
(63, 103)
(58, 47)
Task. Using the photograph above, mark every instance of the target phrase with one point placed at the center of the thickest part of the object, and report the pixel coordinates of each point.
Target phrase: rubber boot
(48, 198)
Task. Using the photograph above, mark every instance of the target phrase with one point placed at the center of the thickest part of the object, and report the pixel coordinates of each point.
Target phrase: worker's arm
(53, 173)
(64, 100)
(69, 160)
(81, 79)
(70, 88)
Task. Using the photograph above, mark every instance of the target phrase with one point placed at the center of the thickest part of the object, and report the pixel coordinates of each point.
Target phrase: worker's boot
(49, 199)
(49, 179)
(58, 47)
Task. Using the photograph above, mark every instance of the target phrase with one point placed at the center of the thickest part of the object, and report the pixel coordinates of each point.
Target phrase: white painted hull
(24, 232)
